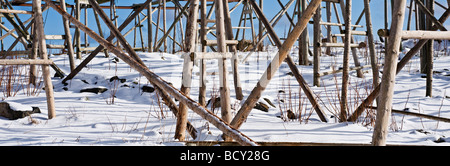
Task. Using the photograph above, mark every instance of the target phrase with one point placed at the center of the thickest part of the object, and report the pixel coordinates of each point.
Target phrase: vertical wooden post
(328, 8)
(77, 30)
(155, 49)
(345, 71)
(202, 90)
(317, 48)
(150, 27)
(429, 54)
(282, 55)
(223, 72)
(68, 38)
(164, 24)
(304, 37)
(191, 35)
(388, 80)
(232, 48)
(86, 42)
(39, 25)
(261, 28)
(370, 38)
(34, 55)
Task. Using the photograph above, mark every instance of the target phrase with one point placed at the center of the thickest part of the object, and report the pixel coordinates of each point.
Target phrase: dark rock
(261, 106)
(7, 112)
(291, 115)
(122, 80)
(440, 140)
(148, 89)
(94, 90)
(216, 102)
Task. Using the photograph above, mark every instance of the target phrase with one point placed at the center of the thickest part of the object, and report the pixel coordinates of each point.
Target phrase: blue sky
(53, 23)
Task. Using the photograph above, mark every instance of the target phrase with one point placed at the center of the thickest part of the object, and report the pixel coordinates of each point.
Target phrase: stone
(94, 90)
(147, 89)
(13, 113)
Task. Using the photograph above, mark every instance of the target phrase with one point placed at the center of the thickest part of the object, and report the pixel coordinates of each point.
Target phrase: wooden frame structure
(198, 32)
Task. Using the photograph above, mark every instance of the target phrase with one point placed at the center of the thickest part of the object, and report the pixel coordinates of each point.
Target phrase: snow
(134, 117)
(19, 107)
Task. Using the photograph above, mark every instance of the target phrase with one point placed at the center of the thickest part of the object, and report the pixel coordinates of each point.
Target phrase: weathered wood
(16, 11)
(388, 79)
(215, 42)
(317, 50)
(284, 49)
(371, 39)
(223, 71)
(228, 143)
(203, 33)
(404, 112)
(336, 45)
(77, 31)
(25, 62)
(153, 78)
(345, 71)
(39, 25)
(232, 48)
(419, 34)
(150, 29)
(191, 35)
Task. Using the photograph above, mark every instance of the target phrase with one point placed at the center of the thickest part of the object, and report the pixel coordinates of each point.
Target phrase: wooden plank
(39, 25)
(433, 35)
(25, 62)
(15, 11)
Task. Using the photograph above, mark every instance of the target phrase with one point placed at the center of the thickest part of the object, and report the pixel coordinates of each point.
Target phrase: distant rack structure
(194, 31)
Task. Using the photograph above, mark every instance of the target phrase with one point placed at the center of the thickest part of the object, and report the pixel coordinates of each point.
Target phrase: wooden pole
(304, 38)
(77, 31)
(232, 48)
(430, 44)
(39, 25)
(345, 72)
(68, 38)
(158, 81)
(225, 104)
(202, 90)
(317, 49)
(388, 79)
(370, 38)
(191, 35)
(328, 8)
(150, 28)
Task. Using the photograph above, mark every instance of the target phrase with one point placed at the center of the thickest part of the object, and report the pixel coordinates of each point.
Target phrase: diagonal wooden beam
(431, 16)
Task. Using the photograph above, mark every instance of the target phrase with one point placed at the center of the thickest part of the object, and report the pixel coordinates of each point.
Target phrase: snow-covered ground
(134, 117)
